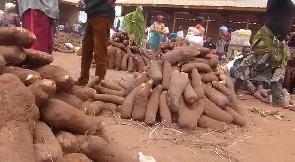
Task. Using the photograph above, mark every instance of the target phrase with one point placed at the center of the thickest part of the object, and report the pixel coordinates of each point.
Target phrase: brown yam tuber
(201, 67)
(206, 122)
(173, 68)
(129, 85)
(118, 45)
(111, 57)
(201, 60)
(208, 77)
(68, 142)
(179, 54)
(118, 58)
(179, 81)
(139, 64)
(37, 58)
(69, 99)
(153, 105)
(166, 71)
(74, 157)
(102, 90)
(27, 76)
(111, 85)
(98, 149)
(130, 66)
(197, 84)
(13, 55)
(228, 82)
(92, 108)
(47, 147)
(124, 62)
(155, 72)
(126, 108)
(214, 112)
(189, 114)
(61, 115)
(64, 82)
(43, 90)
(109, 98)
(146, 61)
(141, 100)
(237, 118)
(189, 94)
(2, 65)
(213, 62)
(215, 96)
(17, 36)
(84, 93)
(164, 110)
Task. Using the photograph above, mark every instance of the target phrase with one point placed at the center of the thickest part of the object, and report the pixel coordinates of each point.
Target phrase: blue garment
(82, 31)
(155, 40)
(173, 35)
(223, 30)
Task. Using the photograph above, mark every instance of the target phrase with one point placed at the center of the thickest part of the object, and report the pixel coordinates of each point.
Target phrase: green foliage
(134, 23)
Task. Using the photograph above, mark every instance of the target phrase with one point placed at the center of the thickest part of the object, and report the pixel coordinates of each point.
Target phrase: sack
(195, 40)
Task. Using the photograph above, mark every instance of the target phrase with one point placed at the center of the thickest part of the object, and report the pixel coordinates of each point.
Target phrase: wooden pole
(146, 16)
(207, 25)
(174, 21)
(247, 23)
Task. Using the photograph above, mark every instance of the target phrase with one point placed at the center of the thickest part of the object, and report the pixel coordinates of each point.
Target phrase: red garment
(42, 26)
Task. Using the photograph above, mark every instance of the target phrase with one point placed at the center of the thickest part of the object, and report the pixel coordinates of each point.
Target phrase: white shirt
(180, 34)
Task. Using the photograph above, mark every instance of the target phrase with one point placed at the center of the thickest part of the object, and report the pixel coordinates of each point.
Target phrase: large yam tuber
(69, 99)
(215, 96)
(68, 142)
(13, 55)
(201, 67)
(74, 157)
(61, 115)
(64, 82)
(118, 58)
(37, 58)
(130, 66)
(180, 54)
(164, 110)
(17, 36)
(126, 108)
(2, 65)
(139, 64)
(228, 82)
(214, 112)
(189, 94)
(109, 98)
(206, 122)
(141, 100)
(166, 71)
(93, 108)
(84, 93)
(213, 62)
(111, 57)
(47, 147)
(208, 77)
(153, 105)
(155, 72)
(103, 90)
(98, 149)
(197, 84)
(124, 62)
(146, 61)
(111, 85)
(27, 76)
(201, 60)
(43, 90)
(129, 85)
(177, 86)
(189, 114)
(237, 118)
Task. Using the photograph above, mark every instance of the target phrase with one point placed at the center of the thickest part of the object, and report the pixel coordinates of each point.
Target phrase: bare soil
(265, 138)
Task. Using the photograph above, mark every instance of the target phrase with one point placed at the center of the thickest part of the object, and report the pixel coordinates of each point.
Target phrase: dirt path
(264, 138)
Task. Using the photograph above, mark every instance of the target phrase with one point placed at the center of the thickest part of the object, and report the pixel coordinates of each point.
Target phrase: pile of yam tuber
(44, 116)
(60, 38)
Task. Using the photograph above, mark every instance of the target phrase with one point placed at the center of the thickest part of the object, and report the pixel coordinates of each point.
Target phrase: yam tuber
(93, 108)
(237, 118)
(179, 81)
(61, 115)
(129, 85)
(47, 147)
(37, 58)
(180, 54)
(201, 60)
(228, 82)
(109, 98)
(27, 76)
(126, 108)
(64, 82)
(201, 67)
(130, 66)
(84, 93)
(74, 157)
(139, 64)
(206, 122)
(69, 99)
(153, 105)
(111, 57)
(215, 96)
(141, 100)
(189, 94)
(2, 65)
(43, 90)
(102, 90)
(111, 85)
(17, 36)
(13, 55)
(213, 62)
(166, 71)
(208, 77)
(214, 112)
(164, 110)
(155, 72)
(118, 58)
(197, 84)
(124, 62)
(189, 114)
(68, 142)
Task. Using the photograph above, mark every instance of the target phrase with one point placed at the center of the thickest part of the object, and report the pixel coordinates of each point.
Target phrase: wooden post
(207, 25)
(146, 16)
(174, 21)
(247, 23)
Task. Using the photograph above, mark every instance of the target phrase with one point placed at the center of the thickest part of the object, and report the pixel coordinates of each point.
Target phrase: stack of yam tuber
(13, 55)
(16, 36)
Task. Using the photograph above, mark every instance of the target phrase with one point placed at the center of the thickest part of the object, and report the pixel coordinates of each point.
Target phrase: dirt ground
(265, 138)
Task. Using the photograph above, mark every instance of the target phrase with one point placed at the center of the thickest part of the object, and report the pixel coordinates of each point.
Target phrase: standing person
(200, 22)
(149, 34)
(180, 33)
(223, 29)
(210, 44)
(269, 55)
(38, 17)
(100, 17)
(157, 30)
(10, 18)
